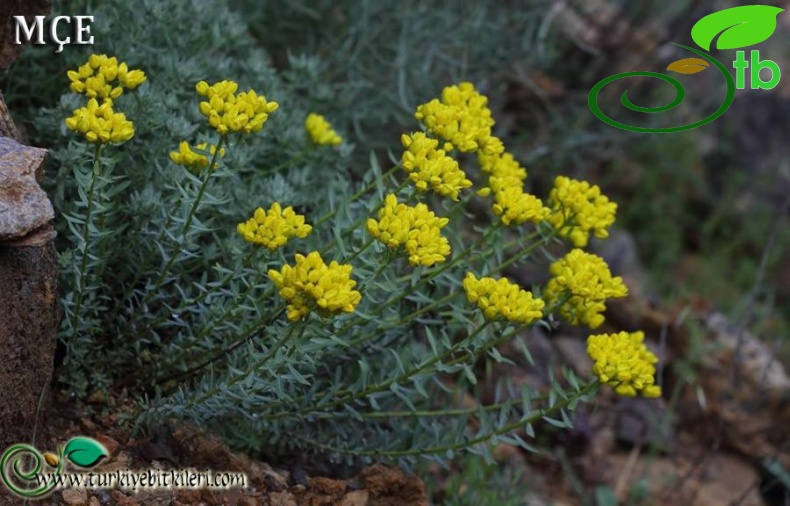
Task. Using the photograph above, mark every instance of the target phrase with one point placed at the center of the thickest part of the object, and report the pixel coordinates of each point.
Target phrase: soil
(186, 446)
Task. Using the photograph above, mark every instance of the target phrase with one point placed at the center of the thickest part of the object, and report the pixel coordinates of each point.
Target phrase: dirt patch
(188, 447)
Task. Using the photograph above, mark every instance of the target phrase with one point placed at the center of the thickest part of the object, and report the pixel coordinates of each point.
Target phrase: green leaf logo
(84, 451)
(738, 26)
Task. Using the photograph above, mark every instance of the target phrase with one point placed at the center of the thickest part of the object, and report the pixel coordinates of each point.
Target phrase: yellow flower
(190, 158)
(429, 167)
(228, 111)
(502, 165)
(461, 117)
(582, 282)
(490, 146)
(320, 131)
(416, 229)
(578, 209)
(623, 361)
(130, 79)
(514, 207)
(502, 300)
(506, 182)
(100, 124)
(310, 285)
(274, 227)
(102, 77)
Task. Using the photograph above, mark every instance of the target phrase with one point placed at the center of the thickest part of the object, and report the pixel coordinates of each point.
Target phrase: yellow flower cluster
(502, 166)
(188, 157)
(623, 361)
(582, 282)
(416, 229)
(461, 117)
(320, 131)
(311, 284)
(514, 206)
(506, 182)
(104, 78)
(578, 208)
(100, 124)
(274, 227)
(501, 299)
(230, 112)
(429, 167)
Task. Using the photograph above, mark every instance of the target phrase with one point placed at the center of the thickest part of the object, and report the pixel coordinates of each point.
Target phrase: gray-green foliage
(152, 191)
(380, 59)
(174, 307)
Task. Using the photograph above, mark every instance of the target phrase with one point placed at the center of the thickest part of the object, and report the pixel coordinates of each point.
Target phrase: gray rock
(24, 207)
(29, 306)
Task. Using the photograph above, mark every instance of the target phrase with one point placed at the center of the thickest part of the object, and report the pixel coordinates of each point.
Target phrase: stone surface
(717, 479)
(356, 498)
(390, 486)
(7, 126)
(24, 207)
(29, 307)
(29, 319)
(75, 497)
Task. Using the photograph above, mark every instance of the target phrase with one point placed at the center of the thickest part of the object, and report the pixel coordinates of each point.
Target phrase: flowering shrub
(100, 124)
(584, 282)
(227, 111)
(579, 208)
(274, 227)
(624, 362)
(312, 285)
(502, 299)
(188, 157)
(415, 229)
(337, 316)
(320, 131)
(429, 167)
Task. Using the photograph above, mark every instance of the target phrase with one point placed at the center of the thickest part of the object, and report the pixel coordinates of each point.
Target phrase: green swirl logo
(19, 473)
(29, 474)
(733, 28)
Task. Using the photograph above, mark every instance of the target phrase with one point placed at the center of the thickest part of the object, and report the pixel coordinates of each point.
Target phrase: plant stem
(182, 376)
(253, 367)
(299, 156)
(199, 300)
(85, 239)
(426, 412)
(346, 396)
(356, 196)
(187, 224)
(416, 452)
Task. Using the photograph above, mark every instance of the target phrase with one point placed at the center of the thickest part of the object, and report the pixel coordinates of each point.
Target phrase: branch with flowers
(382, 301)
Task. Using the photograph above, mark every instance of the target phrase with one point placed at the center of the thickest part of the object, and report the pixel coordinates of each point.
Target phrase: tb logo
(741, 64)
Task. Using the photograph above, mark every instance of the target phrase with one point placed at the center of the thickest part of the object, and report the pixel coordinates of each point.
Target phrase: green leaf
(84, 451)
(739, 27)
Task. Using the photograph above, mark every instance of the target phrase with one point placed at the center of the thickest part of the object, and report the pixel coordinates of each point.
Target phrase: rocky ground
(184, 446)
